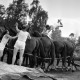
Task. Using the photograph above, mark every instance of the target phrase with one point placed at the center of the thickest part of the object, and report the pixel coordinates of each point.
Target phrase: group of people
(22, 36)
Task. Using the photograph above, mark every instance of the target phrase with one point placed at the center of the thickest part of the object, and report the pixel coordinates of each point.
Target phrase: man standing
(22, 36)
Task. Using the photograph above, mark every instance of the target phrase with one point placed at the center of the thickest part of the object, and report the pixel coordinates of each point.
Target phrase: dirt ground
(63, 75)
(66, 75)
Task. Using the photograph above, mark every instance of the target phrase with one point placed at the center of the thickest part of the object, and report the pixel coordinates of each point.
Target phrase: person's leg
(21, 56)
(1, 53)
(14, 55)
(2, 46)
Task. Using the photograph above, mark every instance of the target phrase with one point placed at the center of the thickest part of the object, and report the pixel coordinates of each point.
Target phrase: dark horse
(60, 52)
(70, 48)
(65, 49)
(48, 47)
(32, 47)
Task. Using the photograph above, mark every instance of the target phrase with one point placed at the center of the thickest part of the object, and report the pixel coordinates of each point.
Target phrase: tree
(38, 15)
(17, 12)
(56, 34)
(78, 41)
(2, 13)
(2, 18)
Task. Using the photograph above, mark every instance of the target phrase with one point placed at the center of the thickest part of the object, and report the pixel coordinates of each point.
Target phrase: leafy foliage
(17, 12)
(2, 12)
(2, 18)
(78, 41)
(38, 15)
(56, 35)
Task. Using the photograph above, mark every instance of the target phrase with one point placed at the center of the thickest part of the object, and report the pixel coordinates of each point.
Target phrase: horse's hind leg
(4, 53)
(74, 67)
(9, 56)
(63, 62)
(25, 60)
(58, 60)
(1, 59)
(71, 61)
(64, 57)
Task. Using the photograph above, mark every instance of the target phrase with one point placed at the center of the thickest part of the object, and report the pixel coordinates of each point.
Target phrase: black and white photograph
(39, 39)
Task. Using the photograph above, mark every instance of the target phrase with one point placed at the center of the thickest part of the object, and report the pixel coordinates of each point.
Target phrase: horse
(60, 52)
(60, 48)
(34, 47)
(49, 49)
(70, 46)
(64, 50)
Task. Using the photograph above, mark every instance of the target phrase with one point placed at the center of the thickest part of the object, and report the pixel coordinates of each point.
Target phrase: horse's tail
(41, 47)
(64, 53)
(70, 53)
(52, 52)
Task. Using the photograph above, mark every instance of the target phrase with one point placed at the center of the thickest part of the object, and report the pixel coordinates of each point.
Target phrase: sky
(66, 10)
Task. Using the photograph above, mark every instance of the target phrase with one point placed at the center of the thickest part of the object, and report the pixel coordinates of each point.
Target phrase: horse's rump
(59, 47)
(30, 44)
(70, 47)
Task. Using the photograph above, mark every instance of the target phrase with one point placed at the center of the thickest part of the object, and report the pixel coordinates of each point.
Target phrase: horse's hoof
(73, 70)
(39, 69)
(67, 70)
(62, 69)
(48, 70)
(44, 70)
(55, 69)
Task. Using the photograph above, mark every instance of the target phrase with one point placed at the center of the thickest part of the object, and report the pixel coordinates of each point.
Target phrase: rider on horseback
(48, 30)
